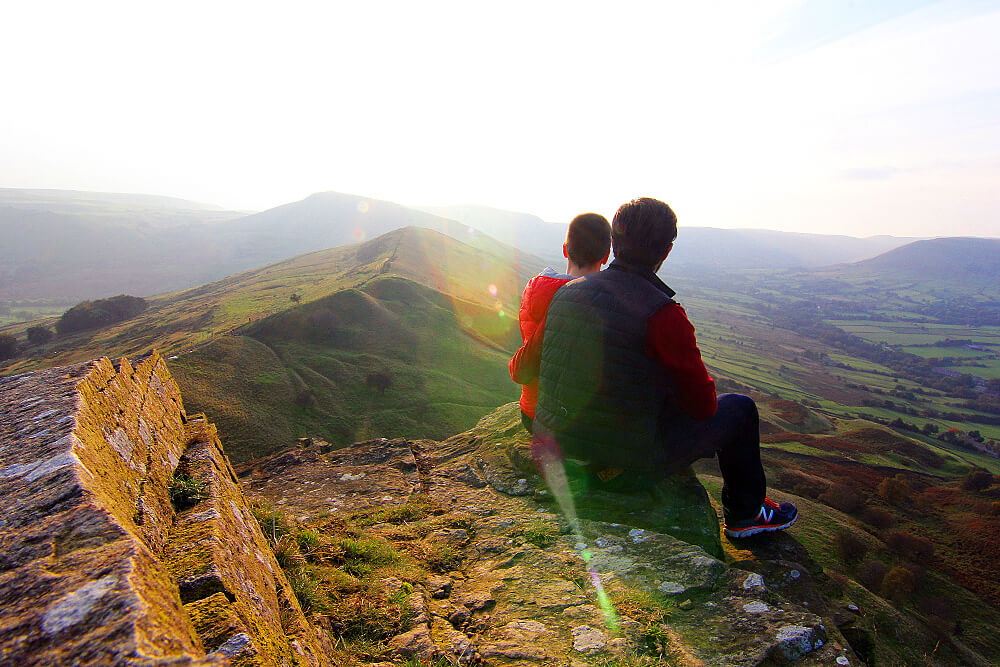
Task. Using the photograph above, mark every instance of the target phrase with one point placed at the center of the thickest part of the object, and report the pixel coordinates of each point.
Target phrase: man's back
(600, 394)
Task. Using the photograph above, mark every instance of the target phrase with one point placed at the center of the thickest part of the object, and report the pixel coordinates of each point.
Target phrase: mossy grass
(186, 491)
(273, 523)
(540, 533)
(417, 507)
(441, 557)
(338, 571)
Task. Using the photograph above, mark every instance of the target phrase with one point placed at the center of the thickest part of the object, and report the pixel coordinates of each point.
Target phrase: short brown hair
(588, 239)
(642, 231)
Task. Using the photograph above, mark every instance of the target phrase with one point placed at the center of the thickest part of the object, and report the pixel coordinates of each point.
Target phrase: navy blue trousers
(732, 434)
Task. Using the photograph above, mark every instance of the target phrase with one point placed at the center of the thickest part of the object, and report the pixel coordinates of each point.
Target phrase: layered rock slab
(87, 460)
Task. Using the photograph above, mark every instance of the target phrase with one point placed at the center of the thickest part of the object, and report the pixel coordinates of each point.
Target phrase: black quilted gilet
(599, 393)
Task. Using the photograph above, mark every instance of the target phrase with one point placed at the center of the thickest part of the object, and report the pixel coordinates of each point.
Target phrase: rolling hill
(698, 248)
(65, 246)
(435, 316)
(710, 248)
(974, 262)
(62, 246)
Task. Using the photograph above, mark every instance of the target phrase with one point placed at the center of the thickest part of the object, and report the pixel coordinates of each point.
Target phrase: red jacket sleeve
(526, 362)
(670, 340)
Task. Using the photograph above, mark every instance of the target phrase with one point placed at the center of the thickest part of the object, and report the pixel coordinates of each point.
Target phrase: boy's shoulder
(548, 279)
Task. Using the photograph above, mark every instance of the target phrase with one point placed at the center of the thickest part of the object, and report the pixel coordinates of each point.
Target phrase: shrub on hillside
(101, 313)
(8, 346)
(39, 335)
(916, 549)
(871, 573)
(894, 490)
(898, 584)
(379, 381)
(851, 547)
(841, 497)
(878, 518)
(977, 479)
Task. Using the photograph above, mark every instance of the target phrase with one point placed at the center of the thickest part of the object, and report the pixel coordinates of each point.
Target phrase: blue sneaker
(772, 516)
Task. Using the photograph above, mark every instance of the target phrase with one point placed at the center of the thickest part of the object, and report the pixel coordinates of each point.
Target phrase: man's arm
(526, 362)
(670, 340)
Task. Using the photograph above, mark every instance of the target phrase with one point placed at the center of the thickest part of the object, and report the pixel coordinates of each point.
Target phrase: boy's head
(643, 232)
(588, 240)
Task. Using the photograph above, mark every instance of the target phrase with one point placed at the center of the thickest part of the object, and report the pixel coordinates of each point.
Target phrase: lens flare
(492, 289)
(550, 463)
(363, 207)
(359, 234)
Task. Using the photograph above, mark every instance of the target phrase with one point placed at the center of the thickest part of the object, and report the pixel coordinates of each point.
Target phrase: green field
(911, 333)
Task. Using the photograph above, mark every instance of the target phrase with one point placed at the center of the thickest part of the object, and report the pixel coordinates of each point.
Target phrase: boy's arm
(670, 340)
(527, 361)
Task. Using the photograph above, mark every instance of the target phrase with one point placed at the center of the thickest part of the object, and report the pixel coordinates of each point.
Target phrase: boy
(587, 248)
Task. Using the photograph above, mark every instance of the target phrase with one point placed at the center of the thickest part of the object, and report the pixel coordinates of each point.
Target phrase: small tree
(851, 547)
(912, 547)
(898, 584)
(895, 490)
(879, 518)
(39, 335)
(871, 573)
(841, 497)
(295, 297)
(380, 381)
(8, 346)
(977, 479)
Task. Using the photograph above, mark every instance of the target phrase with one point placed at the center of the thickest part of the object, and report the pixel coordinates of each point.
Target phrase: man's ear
(565, 251)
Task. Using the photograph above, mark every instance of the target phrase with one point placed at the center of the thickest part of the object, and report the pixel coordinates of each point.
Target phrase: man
(586, 249)
(622, 385)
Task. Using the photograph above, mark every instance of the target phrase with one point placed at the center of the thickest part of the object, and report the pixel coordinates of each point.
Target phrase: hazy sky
(830, 116)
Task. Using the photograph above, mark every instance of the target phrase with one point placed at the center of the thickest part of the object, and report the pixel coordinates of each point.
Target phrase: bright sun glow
(857, 118)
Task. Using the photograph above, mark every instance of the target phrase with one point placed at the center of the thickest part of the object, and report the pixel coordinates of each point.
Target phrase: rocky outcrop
(97, 567)
(126, 538)
(528, 586)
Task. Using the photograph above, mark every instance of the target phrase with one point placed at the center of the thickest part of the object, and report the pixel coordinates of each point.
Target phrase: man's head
(588, 240)
(643, 231)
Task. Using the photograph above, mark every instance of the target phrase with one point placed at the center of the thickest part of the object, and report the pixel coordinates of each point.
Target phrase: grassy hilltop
(300, 347)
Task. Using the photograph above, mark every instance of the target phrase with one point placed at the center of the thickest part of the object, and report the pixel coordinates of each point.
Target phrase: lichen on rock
(93, 548)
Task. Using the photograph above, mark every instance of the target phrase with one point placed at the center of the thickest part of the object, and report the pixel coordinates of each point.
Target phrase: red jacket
(535, 302)
(670, 340)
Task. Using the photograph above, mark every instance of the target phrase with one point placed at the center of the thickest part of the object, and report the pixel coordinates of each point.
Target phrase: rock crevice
(95, 561)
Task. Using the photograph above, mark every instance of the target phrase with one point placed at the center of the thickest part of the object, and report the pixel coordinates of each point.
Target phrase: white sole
(754, 531)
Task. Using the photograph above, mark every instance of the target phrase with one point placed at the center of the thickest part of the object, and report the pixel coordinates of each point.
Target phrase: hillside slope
(393, 358)
(432, 317)
(968, 261)
(69, 246)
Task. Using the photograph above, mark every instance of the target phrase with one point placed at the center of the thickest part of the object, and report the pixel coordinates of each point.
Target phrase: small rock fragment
(754, 583)
(671, 587)
(756, 607)
(795, 641)
(587, 639)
